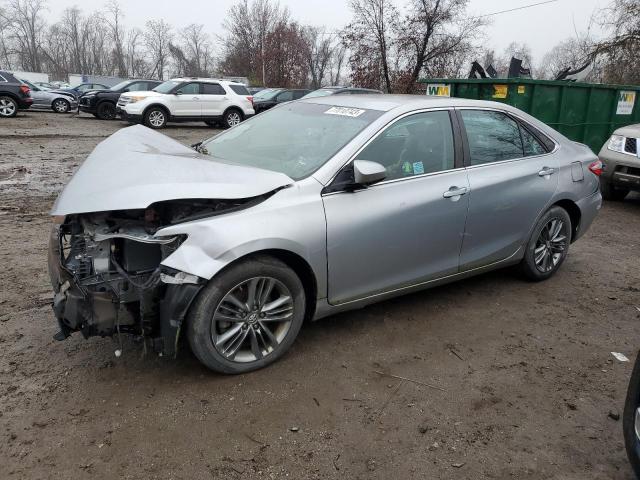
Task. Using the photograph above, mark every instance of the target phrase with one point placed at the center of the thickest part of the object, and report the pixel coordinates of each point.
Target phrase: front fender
(291, 220)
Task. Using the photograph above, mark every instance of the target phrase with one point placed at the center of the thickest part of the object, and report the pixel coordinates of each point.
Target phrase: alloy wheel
(252, 319)
(156, 118)
(550, 246)
(61, 106)
(233, 119)
(7, 107)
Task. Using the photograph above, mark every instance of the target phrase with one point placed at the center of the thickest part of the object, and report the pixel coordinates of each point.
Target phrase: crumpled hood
(137, 166)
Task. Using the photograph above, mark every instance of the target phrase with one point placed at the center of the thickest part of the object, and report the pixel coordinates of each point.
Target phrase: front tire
(631, 411)
(548, 246)
(106, 111)
(60, 105)
(155, 118)
(611, 193)
(8, 107)
(232, 117)
(247, 317)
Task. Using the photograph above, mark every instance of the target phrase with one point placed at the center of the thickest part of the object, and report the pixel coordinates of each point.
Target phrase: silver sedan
(312, 208)
(55, 100)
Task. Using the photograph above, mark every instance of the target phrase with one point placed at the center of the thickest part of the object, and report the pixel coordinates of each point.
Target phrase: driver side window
(418, 144)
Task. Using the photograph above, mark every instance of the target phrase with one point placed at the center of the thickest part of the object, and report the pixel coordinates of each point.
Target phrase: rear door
(408, 228)
(185, 101)
(213, 99)
(512, 179)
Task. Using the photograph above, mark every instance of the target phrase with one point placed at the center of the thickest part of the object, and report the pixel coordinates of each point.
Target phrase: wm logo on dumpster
(438, 90)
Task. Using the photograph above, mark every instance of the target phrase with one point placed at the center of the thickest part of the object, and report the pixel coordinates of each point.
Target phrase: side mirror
(125, 90)
(368, 173)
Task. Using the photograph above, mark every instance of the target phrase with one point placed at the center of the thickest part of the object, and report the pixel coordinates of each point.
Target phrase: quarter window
(418, 144)
(240, 89)
(213, 89)
(531, 144)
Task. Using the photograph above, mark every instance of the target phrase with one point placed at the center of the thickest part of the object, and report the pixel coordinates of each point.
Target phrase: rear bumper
(589, 208)
(25, 103)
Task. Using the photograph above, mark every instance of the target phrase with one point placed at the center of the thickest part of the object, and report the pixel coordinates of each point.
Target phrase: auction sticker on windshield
(345, 111)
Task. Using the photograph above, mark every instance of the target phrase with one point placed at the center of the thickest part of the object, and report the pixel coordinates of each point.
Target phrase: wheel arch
(160, 105)
(60, 98)
(234, 107)
(574, 214)
(295, 262)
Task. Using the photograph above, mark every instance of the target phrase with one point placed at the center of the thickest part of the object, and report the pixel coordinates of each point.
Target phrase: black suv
(270, 97)
(102, 103)
(14, 95)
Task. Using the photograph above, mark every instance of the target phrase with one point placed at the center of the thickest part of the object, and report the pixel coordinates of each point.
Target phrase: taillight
(25, 89)
(596, 167)
(250, 99)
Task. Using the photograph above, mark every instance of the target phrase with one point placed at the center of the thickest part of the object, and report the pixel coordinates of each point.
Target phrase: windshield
(267, 94)
(119, 85)
(167, 86)
(295, 139)
(323, 92)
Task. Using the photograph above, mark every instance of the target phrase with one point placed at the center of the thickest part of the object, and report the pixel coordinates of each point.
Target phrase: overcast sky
(541, 26)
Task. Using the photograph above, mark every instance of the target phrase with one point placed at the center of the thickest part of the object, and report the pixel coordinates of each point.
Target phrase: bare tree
(369, 39)
(157, 38)
(25, 27)
(570, 53)
(113, 19)
(248, 24)
(320, 50)
(621, 20)
(285, 56)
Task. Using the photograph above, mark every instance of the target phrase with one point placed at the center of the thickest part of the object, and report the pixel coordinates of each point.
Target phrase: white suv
(188, 99)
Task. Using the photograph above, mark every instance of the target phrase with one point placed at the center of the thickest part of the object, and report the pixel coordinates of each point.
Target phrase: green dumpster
(584, 112)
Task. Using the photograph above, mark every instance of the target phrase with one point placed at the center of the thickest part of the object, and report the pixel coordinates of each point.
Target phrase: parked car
(312, 208)
(83, 88)
(14, 95)
(326, 91)
(45, 85)
(621, 163)
(56, 100)
(268, 99)
(631, 419)
(188, 99)
(102, 103)
(254, 90)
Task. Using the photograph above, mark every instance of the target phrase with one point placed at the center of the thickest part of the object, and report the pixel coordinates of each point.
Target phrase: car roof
(386, 102)
(205, 79)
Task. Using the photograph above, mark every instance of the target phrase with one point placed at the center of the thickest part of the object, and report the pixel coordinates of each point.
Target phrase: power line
(515, 9)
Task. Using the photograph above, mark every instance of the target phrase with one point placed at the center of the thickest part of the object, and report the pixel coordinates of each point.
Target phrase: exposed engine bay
(107, 275)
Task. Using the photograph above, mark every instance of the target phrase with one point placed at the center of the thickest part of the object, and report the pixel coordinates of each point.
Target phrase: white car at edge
(186, 100)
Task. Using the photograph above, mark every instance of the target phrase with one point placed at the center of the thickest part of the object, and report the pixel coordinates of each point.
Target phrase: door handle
(546, 171)
(455, 192)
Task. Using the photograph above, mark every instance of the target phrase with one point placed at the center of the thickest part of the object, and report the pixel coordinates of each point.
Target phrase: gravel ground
(526, 376)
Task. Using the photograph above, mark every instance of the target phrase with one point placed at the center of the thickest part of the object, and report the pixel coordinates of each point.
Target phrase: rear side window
(493, 136)
(212, 89)
(240, 89)
(298, 94)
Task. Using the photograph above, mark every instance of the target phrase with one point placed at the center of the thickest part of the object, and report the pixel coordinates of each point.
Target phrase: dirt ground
(527, 376)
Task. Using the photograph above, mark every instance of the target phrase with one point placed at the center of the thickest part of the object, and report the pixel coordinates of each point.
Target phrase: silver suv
(216, 102)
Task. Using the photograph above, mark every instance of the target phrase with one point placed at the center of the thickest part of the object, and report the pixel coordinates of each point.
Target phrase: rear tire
(612, 193)
(254, 328)
(631, 441)
(155, 117)
(8, 107)
(548, 246)
(106, 111)
(232, 117)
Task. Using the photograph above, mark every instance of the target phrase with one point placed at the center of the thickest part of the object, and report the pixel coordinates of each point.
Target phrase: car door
(408, 228)
(213, 99)
(512, 177)
(41, 98)
(185, 101)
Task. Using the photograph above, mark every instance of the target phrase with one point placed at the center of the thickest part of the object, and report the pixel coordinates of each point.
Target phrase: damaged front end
(107, 275)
